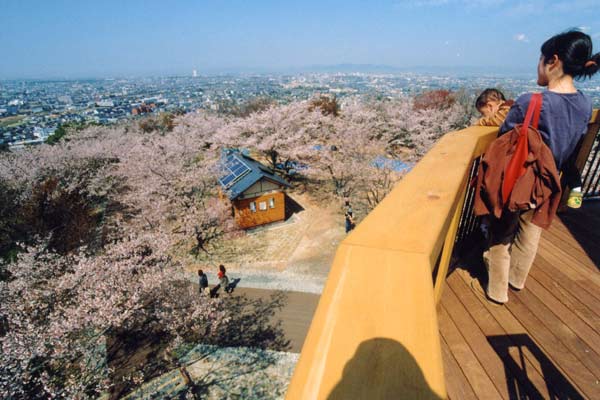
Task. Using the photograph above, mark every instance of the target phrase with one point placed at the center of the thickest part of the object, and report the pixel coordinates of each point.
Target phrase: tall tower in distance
(194, 73)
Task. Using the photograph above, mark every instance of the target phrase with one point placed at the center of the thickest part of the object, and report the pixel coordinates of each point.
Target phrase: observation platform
(398, 319)
(545, 342)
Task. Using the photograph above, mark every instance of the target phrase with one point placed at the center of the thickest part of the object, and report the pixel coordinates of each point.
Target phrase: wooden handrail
(374, 334)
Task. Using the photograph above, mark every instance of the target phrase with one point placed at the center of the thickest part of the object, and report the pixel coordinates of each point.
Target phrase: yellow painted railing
(374, 334)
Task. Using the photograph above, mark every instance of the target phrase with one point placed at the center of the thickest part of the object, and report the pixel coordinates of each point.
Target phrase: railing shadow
(517, 372)
(382, 369)
(584, 225)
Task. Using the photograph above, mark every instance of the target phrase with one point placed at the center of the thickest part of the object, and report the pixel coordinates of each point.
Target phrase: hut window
(262, 206)
(271, 202)
(253, 206)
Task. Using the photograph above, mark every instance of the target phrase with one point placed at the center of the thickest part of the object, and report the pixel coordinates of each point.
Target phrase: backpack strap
(516, 165)
(532, 117)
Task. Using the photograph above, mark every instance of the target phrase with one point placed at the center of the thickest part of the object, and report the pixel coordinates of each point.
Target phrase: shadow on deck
(545, 342)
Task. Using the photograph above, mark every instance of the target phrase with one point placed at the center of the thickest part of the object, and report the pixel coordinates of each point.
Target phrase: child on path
(223, 282)
(202, 281)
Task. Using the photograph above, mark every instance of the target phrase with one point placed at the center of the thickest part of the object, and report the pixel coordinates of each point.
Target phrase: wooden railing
(374, 334)
(588, 161)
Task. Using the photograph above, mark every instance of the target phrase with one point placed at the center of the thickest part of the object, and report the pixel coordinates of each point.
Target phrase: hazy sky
(85, 38)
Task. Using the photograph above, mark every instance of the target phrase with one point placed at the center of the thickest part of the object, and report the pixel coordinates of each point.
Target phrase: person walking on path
(349, 217)
(563, 121)
(202, 281)
(223, 281)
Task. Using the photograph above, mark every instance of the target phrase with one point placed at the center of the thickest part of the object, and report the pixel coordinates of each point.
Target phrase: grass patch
(11, 121)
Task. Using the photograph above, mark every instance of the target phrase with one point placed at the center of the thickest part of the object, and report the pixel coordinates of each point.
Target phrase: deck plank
(527, 371)
(476, 327)
(457, 386)
(580, 288)
(571, 320)
(477, 377)
(546, 340)
(569, 294)
(556, 350)
(527, 349)
(585, 245)
(559, 233)
(567, 260)
(564, 333)
(489, 360)
(572, 271)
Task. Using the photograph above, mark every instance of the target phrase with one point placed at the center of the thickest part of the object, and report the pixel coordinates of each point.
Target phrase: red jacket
(538, 187)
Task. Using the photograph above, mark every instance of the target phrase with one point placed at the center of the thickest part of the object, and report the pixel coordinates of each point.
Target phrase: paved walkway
(296, 314)
(242, 372)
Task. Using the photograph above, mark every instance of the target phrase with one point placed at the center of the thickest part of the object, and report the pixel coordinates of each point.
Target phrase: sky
(85, 38)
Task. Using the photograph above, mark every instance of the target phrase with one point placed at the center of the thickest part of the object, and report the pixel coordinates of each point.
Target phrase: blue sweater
(563, 121)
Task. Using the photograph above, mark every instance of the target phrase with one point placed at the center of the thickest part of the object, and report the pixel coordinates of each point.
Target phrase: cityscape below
(31, 110)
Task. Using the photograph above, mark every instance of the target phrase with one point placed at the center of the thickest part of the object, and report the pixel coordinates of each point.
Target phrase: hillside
(99, 232)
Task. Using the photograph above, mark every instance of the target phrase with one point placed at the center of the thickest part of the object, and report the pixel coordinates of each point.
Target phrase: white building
(105, 103)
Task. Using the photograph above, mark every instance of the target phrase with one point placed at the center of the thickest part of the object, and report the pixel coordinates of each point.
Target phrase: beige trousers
(513, 244)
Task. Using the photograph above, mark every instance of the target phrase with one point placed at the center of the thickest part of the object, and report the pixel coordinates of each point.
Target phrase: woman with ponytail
(564, 118)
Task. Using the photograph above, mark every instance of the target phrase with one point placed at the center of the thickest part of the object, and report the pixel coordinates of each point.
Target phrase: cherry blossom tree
(278, 133)
(59, 312)
(158, 193)
(133, 204)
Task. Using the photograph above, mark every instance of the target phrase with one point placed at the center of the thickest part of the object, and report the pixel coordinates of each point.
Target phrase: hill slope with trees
(96, 228)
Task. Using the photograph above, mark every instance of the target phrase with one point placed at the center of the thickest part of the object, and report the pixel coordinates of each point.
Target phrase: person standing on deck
(564, 117)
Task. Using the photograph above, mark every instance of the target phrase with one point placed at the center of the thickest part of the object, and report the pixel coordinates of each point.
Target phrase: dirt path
(293, 256)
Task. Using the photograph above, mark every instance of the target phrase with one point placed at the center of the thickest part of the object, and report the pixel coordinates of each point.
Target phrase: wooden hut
(255, 191)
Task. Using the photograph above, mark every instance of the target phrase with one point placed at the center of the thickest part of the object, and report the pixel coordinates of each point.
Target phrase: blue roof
(382, 162)
(242, 171)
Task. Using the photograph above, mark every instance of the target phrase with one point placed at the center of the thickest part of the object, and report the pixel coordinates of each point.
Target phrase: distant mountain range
(379, 69)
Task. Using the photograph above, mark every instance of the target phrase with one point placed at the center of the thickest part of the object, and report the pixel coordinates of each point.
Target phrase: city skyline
(68, 39)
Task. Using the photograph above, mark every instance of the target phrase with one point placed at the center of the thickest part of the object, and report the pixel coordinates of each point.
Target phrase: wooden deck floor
(545, 342)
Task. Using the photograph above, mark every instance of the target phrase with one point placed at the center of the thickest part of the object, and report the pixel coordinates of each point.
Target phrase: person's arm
(495, 120)
(571, 174)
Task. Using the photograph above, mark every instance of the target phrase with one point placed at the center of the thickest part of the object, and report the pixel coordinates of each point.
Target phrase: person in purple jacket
(564, 118)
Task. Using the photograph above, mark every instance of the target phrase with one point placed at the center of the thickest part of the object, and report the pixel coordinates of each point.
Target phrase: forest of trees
(95, 229)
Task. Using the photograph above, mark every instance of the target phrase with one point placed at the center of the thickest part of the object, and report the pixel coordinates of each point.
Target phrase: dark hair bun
(574, 49)
(593, 65)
